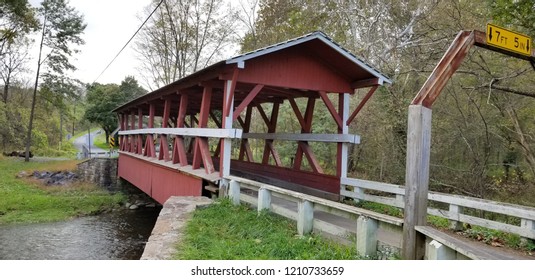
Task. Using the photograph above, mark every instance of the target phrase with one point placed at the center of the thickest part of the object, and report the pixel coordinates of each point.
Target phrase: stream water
(120, 235)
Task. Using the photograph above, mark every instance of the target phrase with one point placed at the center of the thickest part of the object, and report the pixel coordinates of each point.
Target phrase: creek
(119, 235)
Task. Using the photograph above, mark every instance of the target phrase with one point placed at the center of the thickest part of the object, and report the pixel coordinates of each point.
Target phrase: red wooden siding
(158, 181)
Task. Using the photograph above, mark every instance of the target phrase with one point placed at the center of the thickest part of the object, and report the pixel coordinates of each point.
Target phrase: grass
(27, 201)
(226, 232)
(100, 141)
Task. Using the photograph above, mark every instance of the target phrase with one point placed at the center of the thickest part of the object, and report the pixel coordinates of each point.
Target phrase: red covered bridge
(195, 132)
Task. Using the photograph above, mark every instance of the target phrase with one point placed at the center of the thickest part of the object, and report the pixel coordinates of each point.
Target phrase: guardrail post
(437, 251)
(223, 187)
(234, 192)
(455, 210)
(305, 217)
(528, 224)
(366, 236)
(264, 199)
(359, 192)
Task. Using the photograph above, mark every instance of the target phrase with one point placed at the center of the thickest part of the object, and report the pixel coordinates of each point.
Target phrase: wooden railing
(460, 209)
(367, 225)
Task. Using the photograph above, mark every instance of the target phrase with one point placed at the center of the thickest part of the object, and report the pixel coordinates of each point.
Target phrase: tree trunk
(6, 90)
(521, 139)
(34, 97)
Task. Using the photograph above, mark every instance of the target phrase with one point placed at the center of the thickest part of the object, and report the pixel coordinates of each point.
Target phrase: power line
(157, 6)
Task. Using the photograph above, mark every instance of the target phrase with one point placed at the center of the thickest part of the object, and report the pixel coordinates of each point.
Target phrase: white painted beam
(196, 132)
(311, 137)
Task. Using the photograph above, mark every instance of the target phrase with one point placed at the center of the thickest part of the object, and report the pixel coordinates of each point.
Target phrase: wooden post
(226, 144)
(367, 236)
(264, 199)
(179, 148)
(139, 136)
(133, 139)
(305, 217)
(234, 192)
(455, 210)
(164, 146)
(528, 224)
(342, 148)
(437, 251)
(123, 127)
(416, 180)
(150, 151)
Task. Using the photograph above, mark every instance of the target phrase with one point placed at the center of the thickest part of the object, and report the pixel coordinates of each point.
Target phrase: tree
(16, 18)
(102, 99)
(182, 37)
(61, 28)
(13, 63)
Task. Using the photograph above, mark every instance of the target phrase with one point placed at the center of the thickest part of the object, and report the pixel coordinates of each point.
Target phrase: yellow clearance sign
(508, 40)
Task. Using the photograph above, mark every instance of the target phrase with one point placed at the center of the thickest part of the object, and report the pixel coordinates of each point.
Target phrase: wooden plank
(486, 205)
(473, 250)
(417, 180)
(306, 137)
(372, 185)
(525, 232)
(374, 198)
(195, 132)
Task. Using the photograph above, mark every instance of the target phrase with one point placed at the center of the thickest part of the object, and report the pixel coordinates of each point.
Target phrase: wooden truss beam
(254, 92)
(361, 104)
(201, 150)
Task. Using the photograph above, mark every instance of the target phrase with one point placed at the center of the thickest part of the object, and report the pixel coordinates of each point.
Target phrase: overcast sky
(110, 23)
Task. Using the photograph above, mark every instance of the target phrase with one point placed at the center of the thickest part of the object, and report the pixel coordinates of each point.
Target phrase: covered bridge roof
(300, 67)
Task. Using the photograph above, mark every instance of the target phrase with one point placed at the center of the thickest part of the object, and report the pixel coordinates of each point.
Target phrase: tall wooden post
(139, 136)
(228, 112)
(343, 148)
(416, 180)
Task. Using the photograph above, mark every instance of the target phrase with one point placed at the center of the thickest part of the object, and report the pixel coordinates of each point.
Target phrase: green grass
(226, 232)
(26, 201)
(100, 141)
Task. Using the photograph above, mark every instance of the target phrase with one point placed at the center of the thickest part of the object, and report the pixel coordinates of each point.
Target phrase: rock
(22, 174)
(150, 205)
(127, 205)
(133, 207)
(139, 203)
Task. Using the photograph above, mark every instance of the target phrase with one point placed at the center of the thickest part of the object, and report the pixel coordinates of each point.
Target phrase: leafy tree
(13, 63)
(16, 18)
(518, 14)
(102, 99)
(61, 28)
